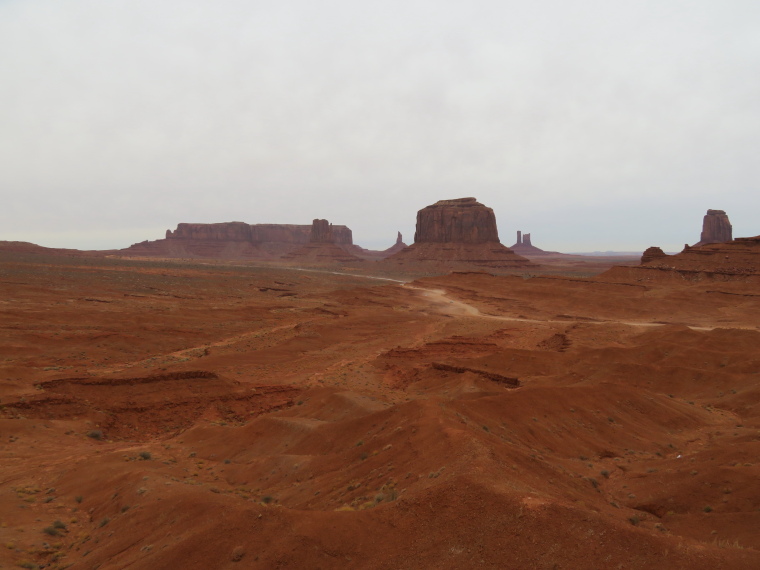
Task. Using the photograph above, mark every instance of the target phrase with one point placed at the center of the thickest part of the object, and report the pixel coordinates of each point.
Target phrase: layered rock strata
(459, 232)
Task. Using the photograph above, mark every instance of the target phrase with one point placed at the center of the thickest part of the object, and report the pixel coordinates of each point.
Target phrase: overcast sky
(593, 125)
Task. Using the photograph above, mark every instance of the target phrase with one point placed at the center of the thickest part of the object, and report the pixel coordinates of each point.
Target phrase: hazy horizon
(591, 125)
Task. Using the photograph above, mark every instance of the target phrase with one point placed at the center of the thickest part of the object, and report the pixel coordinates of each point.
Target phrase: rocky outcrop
(523, 247)
(321, 232)
(463, 220)
(396, 247)
(454, 234)
(652, 253)
(715, 228)
(322, 247)
(372, 254)
(737, 260)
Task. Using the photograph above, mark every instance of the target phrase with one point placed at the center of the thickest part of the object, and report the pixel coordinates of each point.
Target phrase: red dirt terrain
(179, 415)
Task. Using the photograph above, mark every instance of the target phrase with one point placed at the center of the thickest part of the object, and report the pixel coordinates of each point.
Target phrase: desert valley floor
(158, 414)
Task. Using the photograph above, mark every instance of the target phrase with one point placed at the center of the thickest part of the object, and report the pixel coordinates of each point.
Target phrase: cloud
(569, 117)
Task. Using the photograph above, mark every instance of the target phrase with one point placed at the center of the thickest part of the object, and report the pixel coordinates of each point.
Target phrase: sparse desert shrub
(145, 455)
(267, 499)
(634, 520)
(707, 509)
(59, 524)
(95, 434)
(51, 531)
(79, 498)
(104, 522)
(605, 473)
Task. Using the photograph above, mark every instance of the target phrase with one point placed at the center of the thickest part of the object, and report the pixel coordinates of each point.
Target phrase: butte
(458, 233)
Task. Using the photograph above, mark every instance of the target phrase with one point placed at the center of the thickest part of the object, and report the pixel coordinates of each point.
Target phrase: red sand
(188, 416)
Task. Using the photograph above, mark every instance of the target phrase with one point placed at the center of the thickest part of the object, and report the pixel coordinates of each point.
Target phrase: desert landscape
(219, 402)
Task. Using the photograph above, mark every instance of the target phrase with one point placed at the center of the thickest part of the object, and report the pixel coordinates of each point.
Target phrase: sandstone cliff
(462, 220)
(716, 228)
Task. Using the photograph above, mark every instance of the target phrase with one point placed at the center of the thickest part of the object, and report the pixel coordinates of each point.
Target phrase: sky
(591, 124)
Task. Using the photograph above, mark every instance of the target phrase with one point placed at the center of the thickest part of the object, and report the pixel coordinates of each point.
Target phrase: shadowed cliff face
(463, 220)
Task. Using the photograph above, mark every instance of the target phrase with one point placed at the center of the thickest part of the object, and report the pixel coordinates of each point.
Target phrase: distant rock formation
(321, 232)
(524, 247)
(396, 247)
(652, 253)
(257, 233)
(458, 232)
(231, 240)
(715, 228)
(381, 254)
(737, 260)
(322, 247)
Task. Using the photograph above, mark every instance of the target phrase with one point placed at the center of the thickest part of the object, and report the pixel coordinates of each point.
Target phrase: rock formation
(322, 247)
(715, 228)
(229, 240)
(382, 254)
(737, 260)
(463, 220)
(321, 232)
(396, 247)
(524, 247)
(460, 232)
(651, 254)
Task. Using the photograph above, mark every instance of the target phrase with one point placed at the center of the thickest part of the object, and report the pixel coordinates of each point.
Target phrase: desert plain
(187, 414)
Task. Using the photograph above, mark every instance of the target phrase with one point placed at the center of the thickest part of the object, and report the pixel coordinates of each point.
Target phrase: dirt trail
(455, 307)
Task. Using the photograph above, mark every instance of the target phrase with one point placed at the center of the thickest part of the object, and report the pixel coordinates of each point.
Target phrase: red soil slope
(159, 415)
